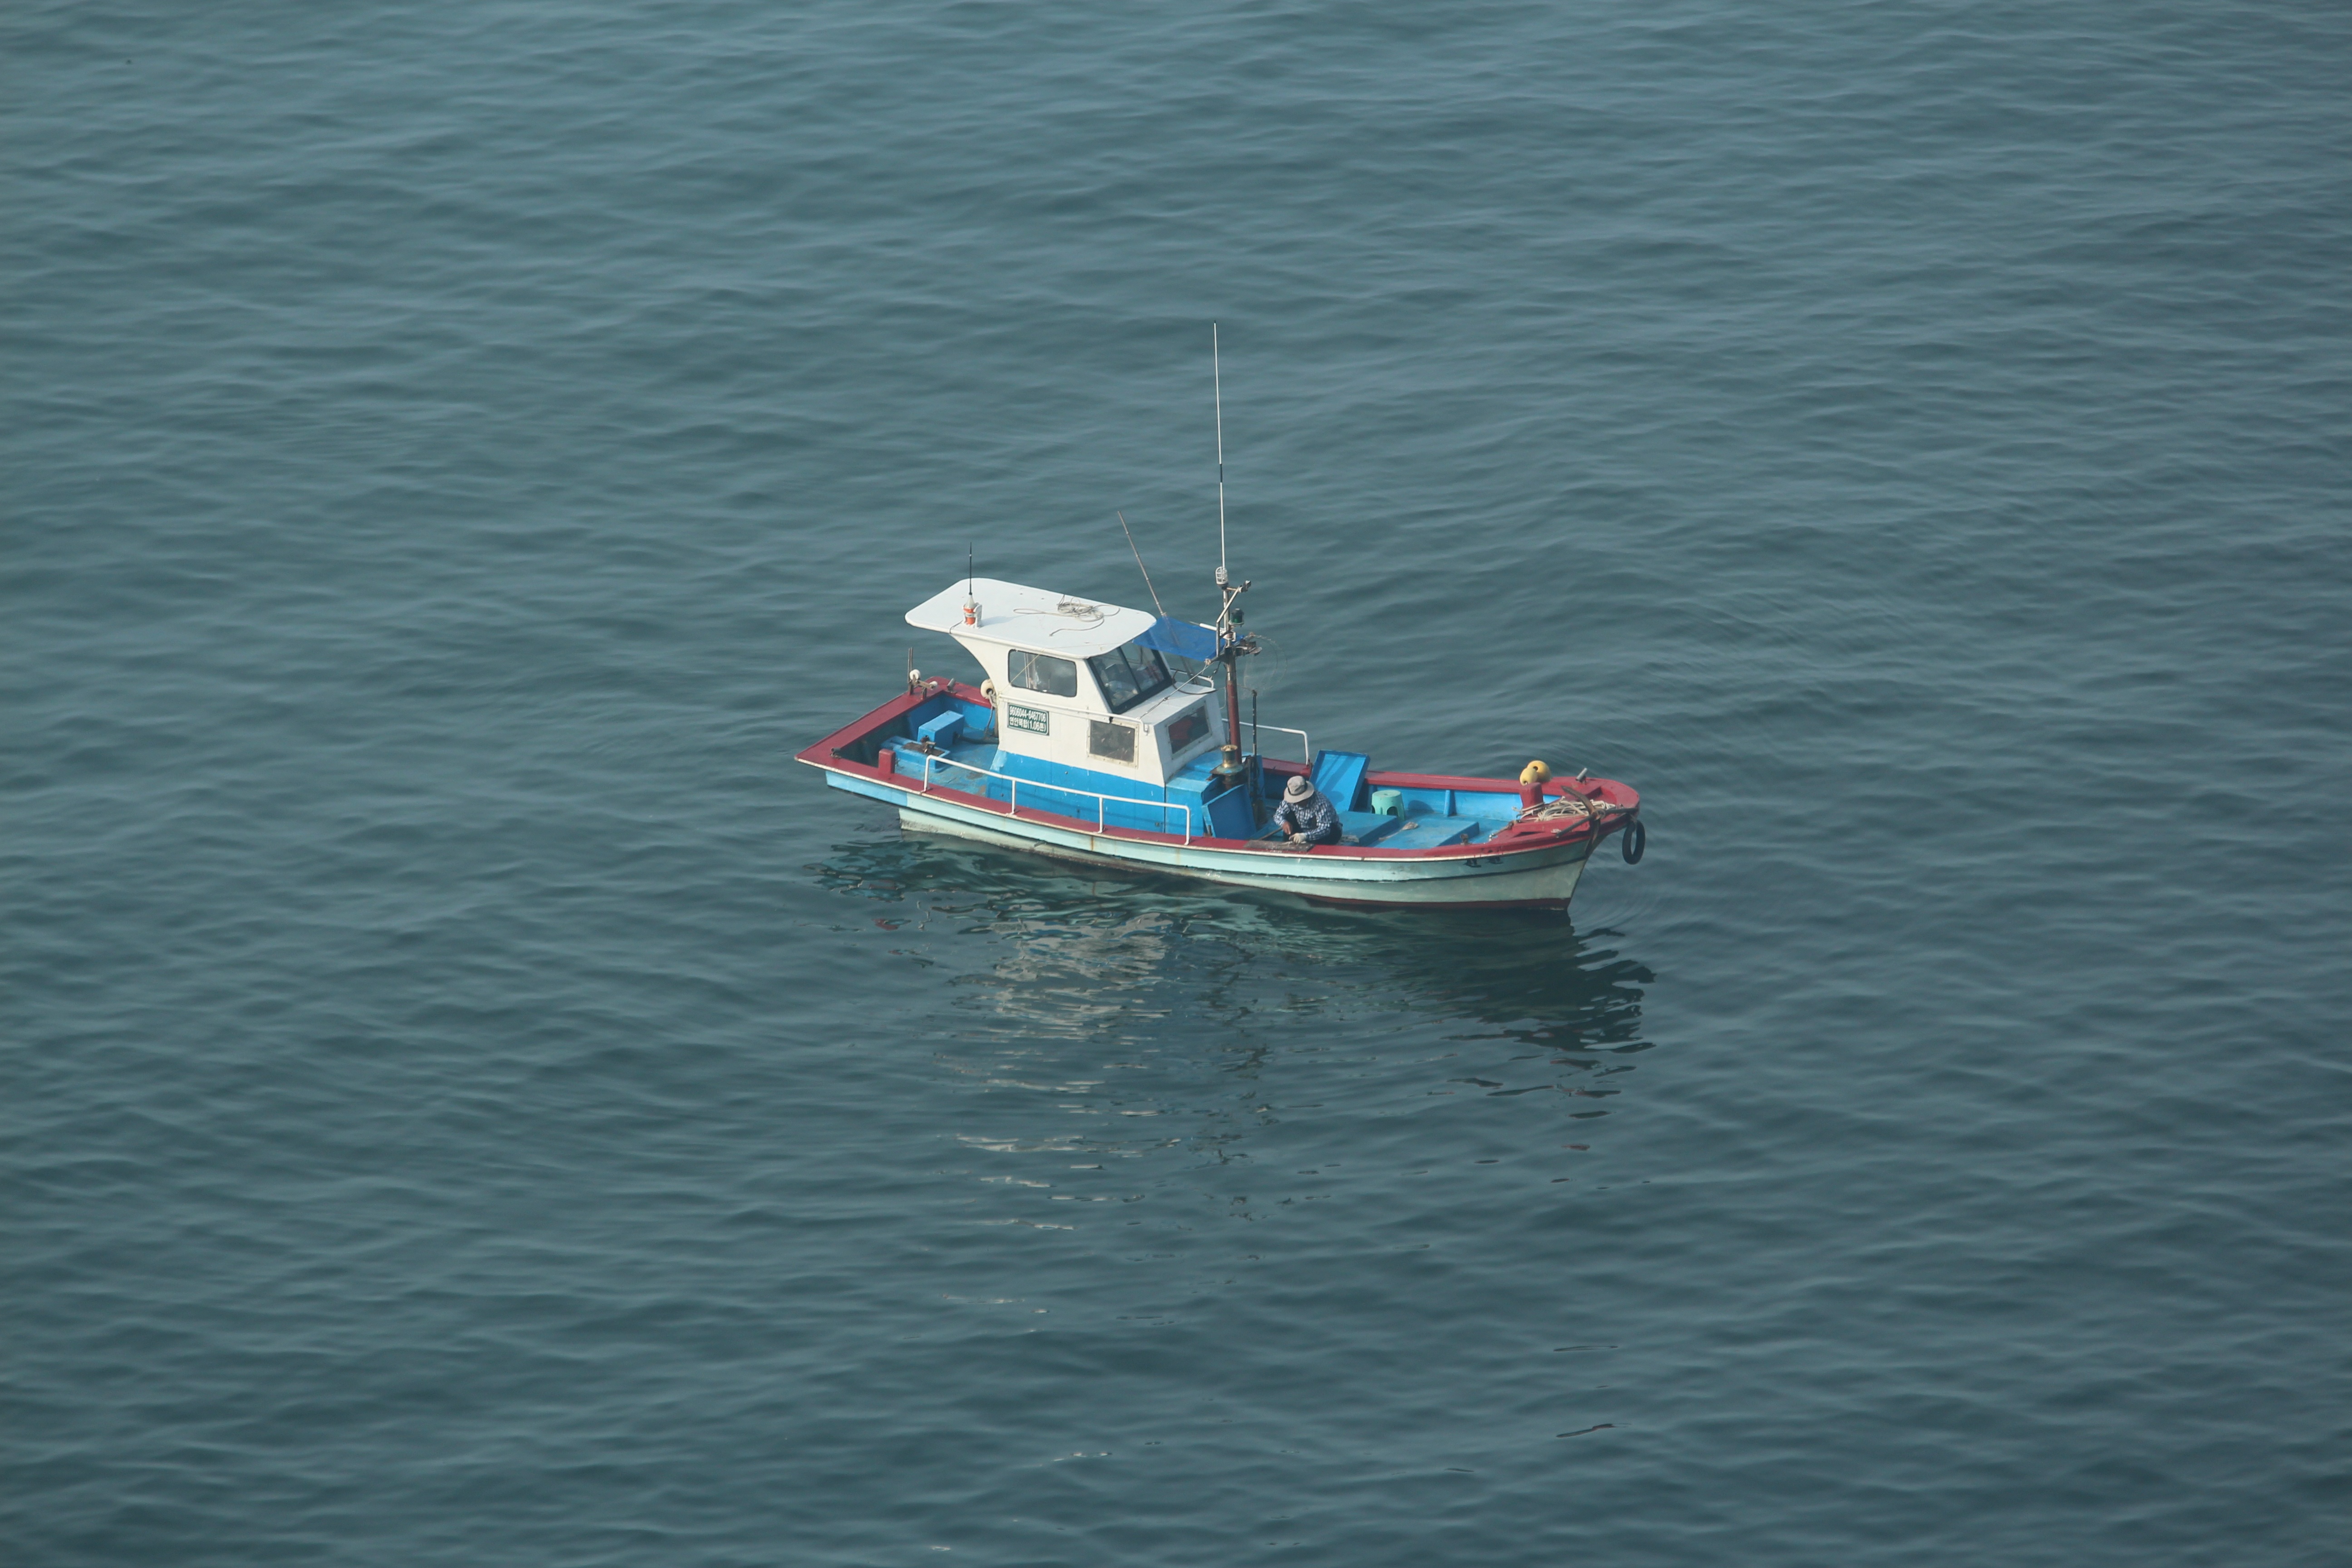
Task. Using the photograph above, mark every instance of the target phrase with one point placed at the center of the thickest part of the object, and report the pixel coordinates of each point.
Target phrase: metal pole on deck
(1230, 643)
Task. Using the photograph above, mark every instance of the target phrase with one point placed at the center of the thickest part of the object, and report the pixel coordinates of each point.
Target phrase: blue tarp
(1185, 639)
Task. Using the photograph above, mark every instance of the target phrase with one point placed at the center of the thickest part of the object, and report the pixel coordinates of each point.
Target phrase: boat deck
(1424, 819)
(1425, 813)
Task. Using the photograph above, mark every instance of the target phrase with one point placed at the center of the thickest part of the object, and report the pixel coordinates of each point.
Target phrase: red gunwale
(1520, 839)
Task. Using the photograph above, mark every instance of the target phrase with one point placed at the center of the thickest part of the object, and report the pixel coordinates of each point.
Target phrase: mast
(1232, 645)
(1217, 390)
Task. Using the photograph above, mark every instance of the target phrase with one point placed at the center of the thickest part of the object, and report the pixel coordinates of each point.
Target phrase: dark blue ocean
(467, 1096)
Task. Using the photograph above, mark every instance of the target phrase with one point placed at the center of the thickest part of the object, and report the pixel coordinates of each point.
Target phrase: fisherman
(1306, 814)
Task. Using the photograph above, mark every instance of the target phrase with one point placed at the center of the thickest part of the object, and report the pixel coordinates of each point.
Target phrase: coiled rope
(1591, 808)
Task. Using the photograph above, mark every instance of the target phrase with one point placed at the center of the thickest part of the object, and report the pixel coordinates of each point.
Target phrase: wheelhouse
(1084, 685)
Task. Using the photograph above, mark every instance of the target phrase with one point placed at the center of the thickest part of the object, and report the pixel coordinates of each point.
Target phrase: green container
(1388, 802)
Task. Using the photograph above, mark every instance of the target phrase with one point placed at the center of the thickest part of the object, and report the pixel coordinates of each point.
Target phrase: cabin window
(1115, 742)
(1129, 675)
(1188, 727)
(1044, 672)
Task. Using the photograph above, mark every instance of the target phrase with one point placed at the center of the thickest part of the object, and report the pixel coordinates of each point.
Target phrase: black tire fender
(1634, 842)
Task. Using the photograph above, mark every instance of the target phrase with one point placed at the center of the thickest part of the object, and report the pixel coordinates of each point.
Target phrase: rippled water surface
(467, 1096)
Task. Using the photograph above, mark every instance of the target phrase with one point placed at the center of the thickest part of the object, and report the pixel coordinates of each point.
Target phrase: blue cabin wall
(1216, 810)
(1153, 818)
(1047, 786)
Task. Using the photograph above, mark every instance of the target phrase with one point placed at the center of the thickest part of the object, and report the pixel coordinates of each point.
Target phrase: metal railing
(1306, 748)
(1012, 795)
(1307, 752)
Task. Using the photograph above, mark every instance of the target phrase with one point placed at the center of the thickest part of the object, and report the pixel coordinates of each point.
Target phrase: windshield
(1044, 672)
(1129, 675)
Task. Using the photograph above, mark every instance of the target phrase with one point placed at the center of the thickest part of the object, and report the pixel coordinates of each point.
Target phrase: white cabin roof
(1036, 619)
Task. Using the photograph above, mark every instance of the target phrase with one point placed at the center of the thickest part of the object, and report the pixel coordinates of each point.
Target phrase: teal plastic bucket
(1388, 802)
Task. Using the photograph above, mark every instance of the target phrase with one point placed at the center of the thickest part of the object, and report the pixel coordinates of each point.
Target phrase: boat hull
(1539, 879)
(1542, 886)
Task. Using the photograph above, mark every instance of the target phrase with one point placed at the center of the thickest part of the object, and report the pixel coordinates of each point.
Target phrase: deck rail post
(1305, 744)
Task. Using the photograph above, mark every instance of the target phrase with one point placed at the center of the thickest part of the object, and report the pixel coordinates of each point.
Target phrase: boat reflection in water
(1142, 1015)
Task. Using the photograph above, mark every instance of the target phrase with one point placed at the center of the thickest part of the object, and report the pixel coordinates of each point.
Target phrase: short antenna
(1217, 387)
(1140, 566)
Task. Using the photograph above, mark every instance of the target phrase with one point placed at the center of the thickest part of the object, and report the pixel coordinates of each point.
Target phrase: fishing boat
(1113, 737)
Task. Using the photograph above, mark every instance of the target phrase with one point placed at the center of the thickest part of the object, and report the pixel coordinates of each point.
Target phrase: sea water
(467, 1096)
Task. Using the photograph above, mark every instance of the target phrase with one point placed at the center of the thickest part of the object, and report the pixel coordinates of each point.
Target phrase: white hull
(1539, 876)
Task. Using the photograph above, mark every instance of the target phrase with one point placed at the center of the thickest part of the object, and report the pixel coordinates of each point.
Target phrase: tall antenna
(1140, 566)
(1217, 384)
(1232, 644)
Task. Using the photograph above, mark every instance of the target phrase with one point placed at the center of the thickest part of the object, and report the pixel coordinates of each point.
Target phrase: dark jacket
(1313, 817)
